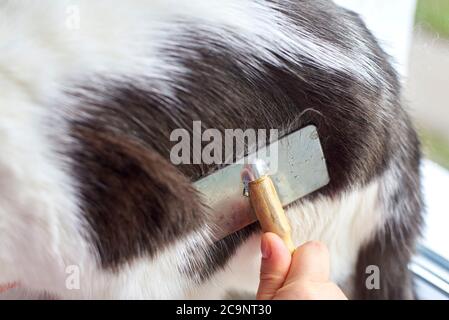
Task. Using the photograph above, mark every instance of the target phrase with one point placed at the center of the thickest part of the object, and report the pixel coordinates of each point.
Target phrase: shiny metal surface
(295, 163)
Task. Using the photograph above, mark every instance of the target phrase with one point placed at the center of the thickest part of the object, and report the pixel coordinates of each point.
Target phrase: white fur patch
(40, 227)
(117, 38)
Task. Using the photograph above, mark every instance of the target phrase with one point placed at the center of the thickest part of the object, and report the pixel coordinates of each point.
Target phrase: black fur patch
(135, 201)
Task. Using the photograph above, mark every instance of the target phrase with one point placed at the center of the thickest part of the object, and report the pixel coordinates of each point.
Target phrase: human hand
(301, 276)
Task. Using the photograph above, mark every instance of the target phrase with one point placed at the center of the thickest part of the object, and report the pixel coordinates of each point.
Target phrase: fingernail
(265, 248)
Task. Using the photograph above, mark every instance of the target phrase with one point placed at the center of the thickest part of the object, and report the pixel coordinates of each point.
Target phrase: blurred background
(427, 85)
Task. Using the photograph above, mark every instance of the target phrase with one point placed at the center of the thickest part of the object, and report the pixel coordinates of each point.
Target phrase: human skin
(304, 275)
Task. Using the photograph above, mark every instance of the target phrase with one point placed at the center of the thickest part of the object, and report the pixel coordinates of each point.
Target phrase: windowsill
(431, 264)
(436, 196)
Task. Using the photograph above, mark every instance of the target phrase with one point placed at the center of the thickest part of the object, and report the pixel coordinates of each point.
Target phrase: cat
(92, 207)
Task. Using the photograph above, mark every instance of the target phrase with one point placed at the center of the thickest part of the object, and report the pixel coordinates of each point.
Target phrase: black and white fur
(85, 119)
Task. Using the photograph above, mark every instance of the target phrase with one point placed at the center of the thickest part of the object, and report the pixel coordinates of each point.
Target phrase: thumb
(276, 261)
(309, 275)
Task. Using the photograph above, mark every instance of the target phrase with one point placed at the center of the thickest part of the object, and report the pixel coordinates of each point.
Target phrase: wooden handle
(268, 209)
